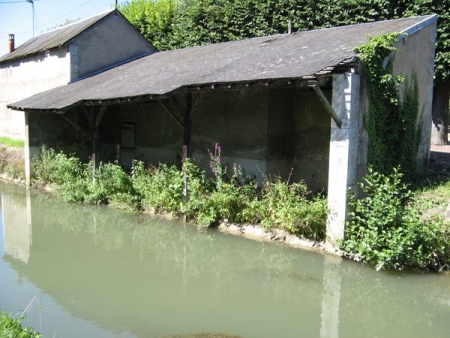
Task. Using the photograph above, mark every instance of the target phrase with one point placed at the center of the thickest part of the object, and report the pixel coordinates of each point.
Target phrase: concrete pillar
(26, 152)
(344, 149)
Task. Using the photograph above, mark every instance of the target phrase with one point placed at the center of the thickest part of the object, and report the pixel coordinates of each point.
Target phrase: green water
(83, 271)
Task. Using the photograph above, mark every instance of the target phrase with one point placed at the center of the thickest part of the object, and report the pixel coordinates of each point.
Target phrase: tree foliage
(172, 24)
(154, 19)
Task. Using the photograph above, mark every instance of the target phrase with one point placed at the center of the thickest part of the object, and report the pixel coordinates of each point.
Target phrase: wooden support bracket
(100, 115)
(77, 127)
(171, 113)
(327, 105)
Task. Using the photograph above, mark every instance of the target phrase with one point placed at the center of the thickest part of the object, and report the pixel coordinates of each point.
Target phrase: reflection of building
(17, 226)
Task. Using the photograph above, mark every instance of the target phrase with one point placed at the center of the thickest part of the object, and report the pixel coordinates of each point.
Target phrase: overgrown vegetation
(391, 122)
(11, 328)
(226, 195)
(388, 227)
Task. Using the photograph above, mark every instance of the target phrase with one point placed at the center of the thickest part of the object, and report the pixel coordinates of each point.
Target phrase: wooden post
(26, 152)
(185, 190)
(187, 123)
(94, 121)
(94, 151)
(186, 140)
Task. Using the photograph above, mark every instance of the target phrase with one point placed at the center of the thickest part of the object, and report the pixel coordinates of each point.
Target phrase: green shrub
(10, 327)
(385, 227)
(112, 183)
(51, 167)
(291, 207)
(73, 180)
(226, 204)
(161, 187)
(199, 188)
(223, 197)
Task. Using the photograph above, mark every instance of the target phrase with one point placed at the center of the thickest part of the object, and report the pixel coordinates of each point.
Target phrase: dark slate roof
(286, 56)
(52, 39)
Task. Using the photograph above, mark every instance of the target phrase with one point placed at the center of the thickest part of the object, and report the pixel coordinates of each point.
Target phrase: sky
(16, 16)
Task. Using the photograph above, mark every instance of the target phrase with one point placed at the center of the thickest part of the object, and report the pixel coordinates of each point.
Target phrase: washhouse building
(290, 105)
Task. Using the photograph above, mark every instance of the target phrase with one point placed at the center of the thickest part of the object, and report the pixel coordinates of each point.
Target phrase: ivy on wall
(391, 121)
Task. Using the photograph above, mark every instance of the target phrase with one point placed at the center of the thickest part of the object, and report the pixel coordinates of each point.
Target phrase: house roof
(52, 39)
(284, 57)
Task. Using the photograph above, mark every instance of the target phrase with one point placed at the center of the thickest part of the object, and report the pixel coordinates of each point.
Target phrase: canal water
(89, 271)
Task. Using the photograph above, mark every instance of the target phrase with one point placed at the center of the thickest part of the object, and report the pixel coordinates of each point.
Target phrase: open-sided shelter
(289, 104)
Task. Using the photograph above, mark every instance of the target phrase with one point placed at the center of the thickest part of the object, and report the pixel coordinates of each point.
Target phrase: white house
(62, 56)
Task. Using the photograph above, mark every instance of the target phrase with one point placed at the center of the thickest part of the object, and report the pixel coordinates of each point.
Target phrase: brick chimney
(12, 47)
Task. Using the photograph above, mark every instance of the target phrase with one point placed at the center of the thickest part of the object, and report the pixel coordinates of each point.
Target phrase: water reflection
(331, 297)
(129, 275)
(16, 218)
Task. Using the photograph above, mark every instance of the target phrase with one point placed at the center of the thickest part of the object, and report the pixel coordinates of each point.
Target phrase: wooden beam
(86, 113)
(327, 105)
(77, 127)
(197, 102)
(172, 115)
(178, 105)
(100, 115)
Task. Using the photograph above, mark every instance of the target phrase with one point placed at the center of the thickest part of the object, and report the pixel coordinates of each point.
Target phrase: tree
(153, 18)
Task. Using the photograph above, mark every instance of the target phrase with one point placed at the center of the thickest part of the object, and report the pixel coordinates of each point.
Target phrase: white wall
(416, 54)
(25, 77)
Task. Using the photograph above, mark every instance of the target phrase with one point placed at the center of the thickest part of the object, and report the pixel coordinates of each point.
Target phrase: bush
(291, 207)
(223, 197)
(112, 184)
(10, 327)
(161, 188)
(74, 182)
(51, 167)
(385, 227)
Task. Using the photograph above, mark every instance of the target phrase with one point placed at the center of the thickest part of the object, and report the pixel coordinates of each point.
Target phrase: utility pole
(32, 13)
